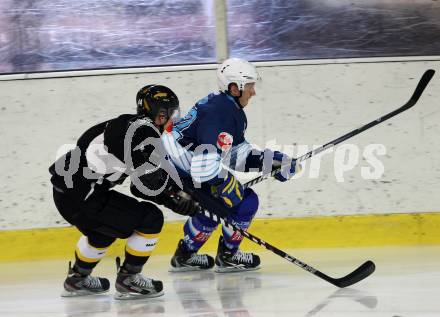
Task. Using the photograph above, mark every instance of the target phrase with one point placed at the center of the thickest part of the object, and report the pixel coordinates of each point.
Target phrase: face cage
(172, 114)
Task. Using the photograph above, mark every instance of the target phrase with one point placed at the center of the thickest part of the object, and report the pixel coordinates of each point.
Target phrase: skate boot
(183, 260)
(79, 282)
(135, 285)
(227, 261)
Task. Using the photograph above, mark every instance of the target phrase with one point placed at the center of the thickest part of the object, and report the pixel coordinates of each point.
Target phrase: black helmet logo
(152, 98)
(160, 94)
(146, 106)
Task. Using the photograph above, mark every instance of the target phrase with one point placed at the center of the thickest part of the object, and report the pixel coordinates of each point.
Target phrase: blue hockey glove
(230, 191)
(287, 170)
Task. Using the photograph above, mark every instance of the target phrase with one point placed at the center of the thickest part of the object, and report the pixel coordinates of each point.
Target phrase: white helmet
(238, 71)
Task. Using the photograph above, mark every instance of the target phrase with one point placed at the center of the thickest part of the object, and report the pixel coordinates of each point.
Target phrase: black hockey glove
(173, 198)
(181, 203)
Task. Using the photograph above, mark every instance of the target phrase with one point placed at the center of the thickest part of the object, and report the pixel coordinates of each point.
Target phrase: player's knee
(249, 206)
(252, 197)
(153, 220)
(203, 223)
(100, 241)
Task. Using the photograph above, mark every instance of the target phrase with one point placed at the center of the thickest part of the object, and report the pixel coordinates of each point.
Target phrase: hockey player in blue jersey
(209, 137)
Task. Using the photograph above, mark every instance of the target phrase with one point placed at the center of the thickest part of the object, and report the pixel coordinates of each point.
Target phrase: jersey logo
(224, 141)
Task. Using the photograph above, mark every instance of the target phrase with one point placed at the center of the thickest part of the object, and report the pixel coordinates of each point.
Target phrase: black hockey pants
(106, 216)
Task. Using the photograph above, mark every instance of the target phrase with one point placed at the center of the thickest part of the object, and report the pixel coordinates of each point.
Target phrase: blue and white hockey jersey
(209, 136)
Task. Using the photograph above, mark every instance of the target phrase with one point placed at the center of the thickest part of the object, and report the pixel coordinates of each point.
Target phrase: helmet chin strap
(237, 99)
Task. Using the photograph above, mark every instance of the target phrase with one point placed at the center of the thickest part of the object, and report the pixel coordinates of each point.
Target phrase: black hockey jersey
(108, 153)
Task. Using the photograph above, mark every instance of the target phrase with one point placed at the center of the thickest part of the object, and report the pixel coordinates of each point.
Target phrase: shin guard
(197, 231)
(241, 216)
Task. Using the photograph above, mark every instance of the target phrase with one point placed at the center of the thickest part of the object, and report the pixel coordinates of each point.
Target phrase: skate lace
(92, 282)
(142, 281)
(200, 259)
(243, 257)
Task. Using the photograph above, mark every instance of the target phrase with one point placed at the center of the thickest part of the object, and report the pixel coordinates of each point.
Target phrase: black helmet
(152, 99)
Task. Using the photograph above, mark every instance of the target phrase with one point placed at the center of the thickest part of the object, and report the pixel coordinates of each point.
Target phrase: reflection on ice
(364, 298)
(278, 289)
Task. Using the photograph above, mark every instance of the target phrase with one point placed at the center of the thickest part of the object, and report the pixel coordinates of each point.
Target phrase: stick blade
(424, 81)
(357, 275)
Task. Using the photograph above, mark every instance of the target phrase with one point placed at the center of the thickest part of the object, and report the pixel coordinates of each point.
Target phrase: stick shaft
(411, 102)
(357, 275)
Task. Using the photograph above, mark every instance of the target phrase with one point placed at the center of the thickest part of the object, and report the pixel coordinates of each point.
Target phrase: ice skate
(184, 261)
(135, 285)
(240, 261)
(83, 284)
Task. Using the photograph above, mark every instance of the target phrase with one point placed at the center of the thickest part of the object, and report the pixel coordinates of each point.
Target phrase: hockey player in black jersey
(128, 146)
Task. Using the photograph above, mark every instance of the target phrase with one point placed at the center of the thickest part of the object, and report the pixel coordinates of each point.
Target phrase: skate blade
(173, 269)
(234, 269)
(130, 296)
(66, 293)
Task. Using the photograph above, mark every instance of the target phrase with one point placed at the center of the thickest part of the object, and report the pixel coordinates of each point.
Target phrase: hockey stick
(218, 215)
(368, 267)
(411, 102)
(357, 275)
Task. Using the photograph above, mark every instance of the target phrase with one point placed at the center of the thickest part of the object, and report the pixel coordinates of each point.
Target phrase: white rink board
(306, 104)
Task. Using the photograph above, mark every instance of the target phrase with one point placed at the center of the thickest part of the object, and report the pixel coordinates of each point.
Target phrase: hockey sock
(197, 231)
(87, 256)
(241, 216)
(138, 249)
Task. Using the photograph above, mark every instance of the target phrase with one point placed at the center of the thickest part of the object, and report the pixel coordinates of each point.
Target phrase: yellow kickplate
(288, 233)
